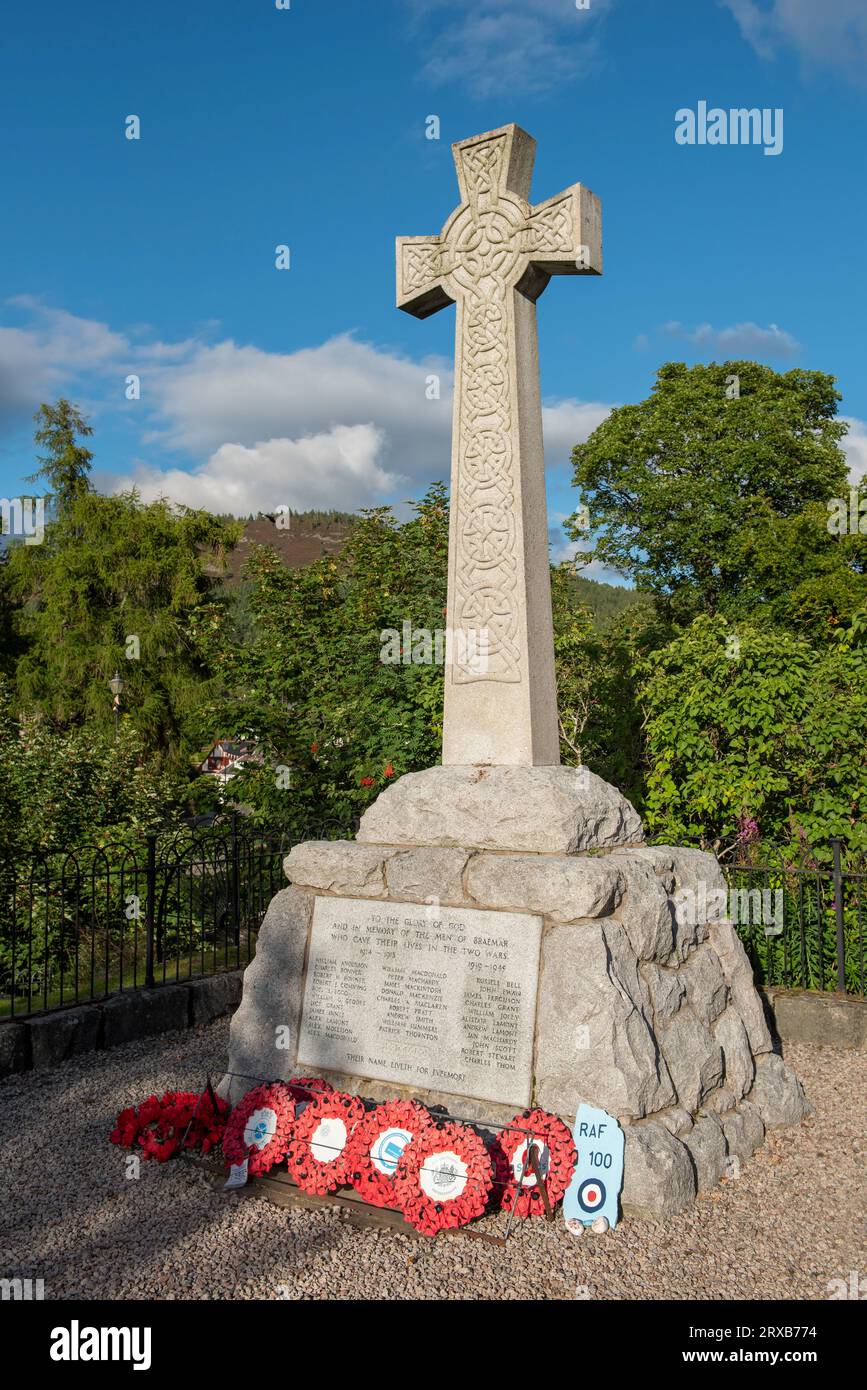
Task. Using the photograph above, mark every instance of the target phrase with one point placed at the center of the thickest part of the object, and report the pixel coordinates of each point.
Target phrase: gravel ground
(794, 1220)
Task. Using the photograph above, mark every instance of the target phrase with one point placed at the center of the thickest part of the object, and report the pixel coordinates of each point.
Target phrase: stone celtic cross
(493, 259)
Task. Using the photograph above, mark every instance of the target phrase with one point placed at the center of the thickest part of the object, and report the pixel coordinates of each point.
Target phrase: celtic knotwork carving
(486, 567)
(483, 165)
(421, 265)
(479, 259)
(551, 230)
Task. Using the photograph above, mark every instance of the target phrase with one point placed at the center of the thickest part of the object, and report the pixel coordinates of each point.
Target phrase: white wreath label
(328, 1139)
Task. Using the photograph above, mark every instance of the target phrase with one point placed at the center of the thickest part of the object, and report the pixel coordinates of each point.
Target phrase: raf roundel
(591, 1195)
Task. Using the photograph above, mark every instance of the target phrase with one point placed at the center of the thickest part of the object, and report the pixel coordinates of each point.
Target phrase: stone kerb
(642, 1009)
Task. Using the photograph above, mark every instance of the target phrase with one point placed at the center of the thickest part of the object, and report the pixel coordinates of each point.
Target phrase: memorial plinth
(488, 978)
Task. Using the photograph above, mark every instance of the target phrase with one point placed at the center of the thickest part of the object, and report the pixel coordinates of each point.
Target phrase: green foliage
(604, 601)
(744, 721)
(690, 491)
(804, 955)
(310, 688)
(66, 464)
(597, 683)
(797, 575)
(59, 788)
(111, 569)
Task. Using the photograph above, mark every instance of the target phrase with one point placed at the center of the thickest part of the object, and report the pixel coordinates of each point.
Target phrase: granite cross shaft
(493, 259)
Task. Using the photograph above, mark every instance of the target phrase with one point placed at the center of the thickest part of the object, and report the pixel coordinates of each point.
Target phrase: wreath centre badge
(444, 1176)
(521, 1170)
(259, 1128)
(328, 1139)
(386, 1149)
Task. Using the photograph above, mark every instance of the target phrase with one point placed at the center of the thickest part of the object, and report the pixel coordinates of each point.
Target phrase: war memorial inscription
(443, 998)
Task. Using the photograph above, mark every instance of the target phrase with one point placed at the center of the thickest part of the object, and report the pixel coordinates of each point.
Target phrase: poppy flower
(317, 1154)
(377, 1143)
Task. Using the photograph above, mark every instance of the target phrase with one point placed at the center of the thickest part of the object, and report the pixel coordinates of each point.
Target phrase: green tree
(747, 723)
(798, 574)
(310, 687)
(598, 683)
(696, 492)
(66, 465)
(120, 585)
(61, 787)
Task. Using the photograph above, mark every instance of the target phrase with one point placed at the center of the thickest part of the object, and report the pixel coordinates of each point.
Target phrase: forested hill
(299, 538)
(605, 601)
(303, 537)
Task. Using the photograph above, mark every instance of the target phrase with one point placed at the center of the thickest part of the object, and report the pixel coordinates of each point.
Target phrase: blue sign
(598, 1176)
(387, 1149)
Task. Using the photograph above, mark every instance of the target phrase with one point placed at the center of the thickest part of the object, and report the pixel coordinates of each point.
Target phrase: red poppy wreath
(555, 1153)
(162, 1125)
(304, 1088)
(260, 1128)
(443, 1178)
(132, 1122)
(317, 1156)
(377, 1143)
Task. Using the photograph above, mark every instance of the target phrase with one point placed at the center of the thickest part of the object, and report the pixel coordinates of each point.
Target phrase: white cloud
(855, 447)
(233, 428)
(561, 548)
(344, 424)
(51, 350)
(508, 45)
(337, 468)
(738, 340)
(243, 394)
(568, 423)
(825, 33)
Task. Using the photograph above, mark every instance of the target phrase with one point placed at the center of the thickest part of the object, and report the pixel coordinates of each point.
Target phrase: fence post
(837, 846)
(236, 883)
(150, 910)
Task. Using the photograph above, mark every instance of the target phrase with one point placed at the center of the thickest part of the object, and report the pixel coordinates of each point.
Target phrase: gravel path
(794, 1220)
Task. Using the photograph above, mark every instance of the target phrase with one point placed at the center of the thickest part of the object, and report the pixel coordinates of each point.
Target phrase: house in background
(225, 760)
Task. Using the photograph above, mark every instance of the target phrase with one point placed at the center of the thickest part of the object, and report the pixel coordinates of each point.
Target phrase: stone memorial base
(501, 936)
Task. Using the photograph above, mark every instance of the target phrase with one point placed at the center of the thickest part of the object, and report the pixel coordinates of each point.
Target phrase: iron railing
(80, 925)
(802, 921)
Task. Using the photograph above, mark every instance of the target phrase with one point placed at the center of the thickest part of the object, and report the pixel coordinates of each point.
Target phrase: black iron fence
(802, 923)
(101, 919)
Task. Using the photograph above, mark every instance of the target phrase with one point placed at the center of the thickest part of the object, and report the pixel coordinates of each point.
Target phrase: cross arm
(419, 276)
(563, 237)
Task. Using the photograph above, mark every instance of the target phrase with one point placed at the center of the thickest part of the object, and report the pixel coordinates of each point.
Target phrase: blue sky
(306, 127)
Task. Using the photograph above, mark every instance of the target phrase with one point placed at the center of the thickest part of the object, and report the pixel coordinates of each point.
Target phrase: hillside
(307, 537)
(605, 601)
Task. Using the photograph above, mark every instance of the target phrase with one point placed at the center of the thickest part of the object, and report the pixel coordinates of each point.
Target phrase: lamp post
(115, 685)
